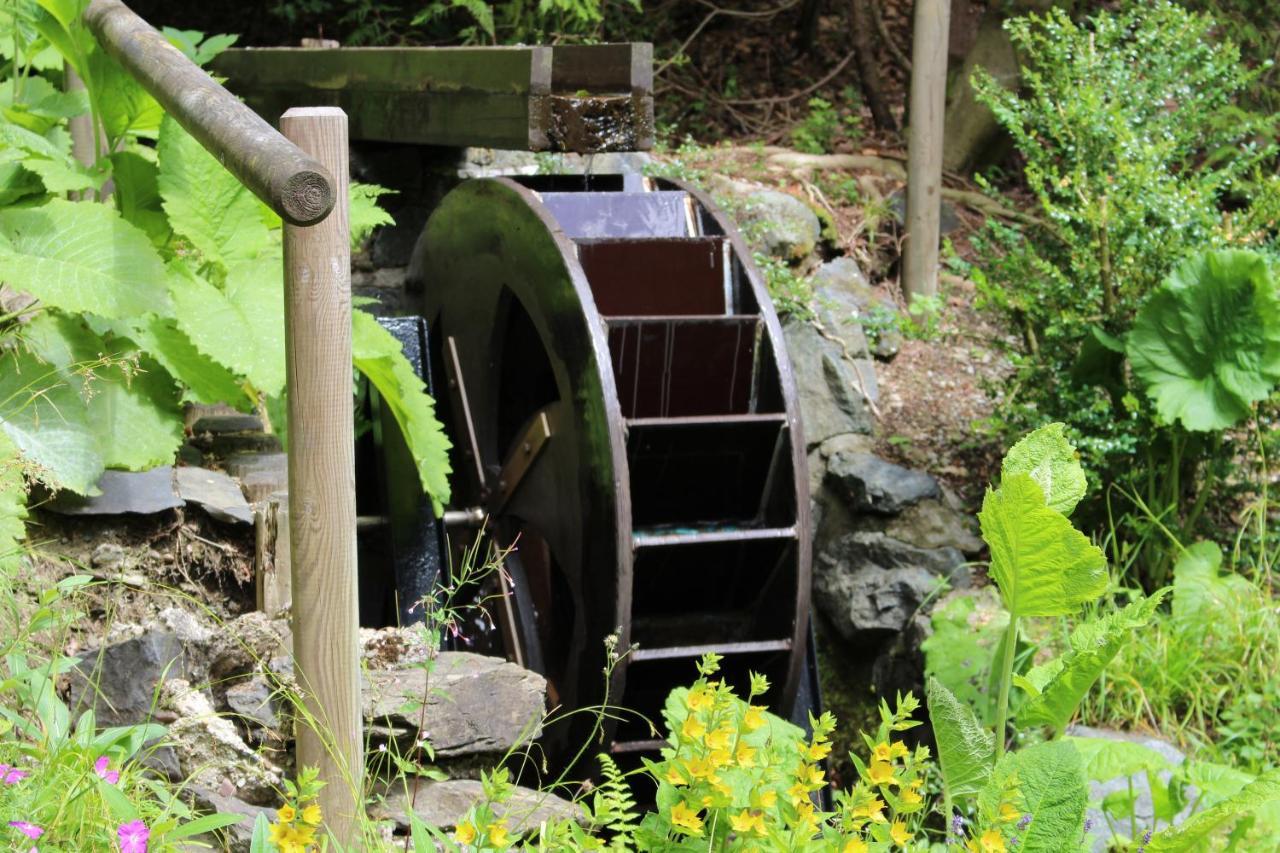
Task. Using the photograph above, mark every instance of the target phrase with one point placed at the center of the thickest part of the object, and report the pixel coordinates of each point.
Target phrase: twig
(844, 349)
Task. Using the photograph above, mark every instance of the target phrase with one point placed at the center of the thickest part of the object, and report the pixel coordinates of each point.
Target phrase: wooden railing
(302, 175)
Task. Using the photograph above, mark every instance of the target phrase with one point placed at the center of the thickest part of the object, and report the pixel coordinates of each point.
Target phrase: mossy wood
(584, 98)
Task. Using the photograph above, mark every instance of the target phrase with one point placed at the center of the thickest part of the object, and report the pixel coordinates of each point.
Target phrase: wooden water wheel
(613, 377)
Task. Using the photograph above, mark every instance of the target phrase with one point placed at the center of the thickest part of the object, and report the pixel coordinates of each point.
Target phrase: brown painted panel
(655, 277)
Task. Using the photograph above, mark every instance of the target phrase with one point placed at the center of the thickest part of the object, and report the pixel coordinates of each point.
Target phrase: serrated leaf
(242, 326)
(1042, 565)
(133, 405)
(1105, 759)
(61, 175)
(1196, 832)
(960, 650)
(1047, 782)
(364, 213)
(124, 107)
(1064, 682)
(137, 194)
(1051, 460)
(1206, 345)
(13, 506)
(82, 258)
(378, 355)
(966, 750)
(205, 380)
(205, 202)
(43, 416)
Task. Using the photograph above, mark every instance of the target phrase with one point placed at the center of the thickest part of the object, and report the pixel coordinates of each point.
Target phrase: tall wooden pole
(322, 507)
(924, 147)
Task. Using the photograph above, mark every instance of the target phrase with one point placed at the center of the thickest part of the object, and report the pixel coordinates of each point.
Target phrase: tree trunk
(924, 147)
(864, 33)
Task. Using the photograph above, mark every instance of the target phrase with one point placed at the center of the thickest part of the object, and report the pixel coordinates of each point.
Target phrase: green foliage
(521, 21)
(960, 651)
(966, 751)
(1206, 345)
(825, 125)
(1198, 829)
(1047, 782)
(1048, 458)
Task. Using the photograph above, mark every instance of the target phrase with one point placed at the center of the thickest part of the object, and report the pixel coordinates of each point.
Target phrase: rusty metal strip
(458, 390)
(523, 454)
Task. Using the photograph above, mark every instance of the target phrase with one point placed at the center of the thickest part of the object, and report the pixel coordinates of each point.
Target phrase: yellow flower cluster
(493, 834)
(295, 829)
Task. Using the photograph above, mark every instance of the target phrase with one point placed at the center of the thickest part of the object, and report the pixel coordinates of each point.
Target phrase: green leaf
(1106, 759)
(378, 355)
(241, 327)
(81, 258)
(1047, 782)
(1066, 680)
(1206, 345)
(1042, 565)
(13, 506)
(205, 202)
(137, 195)
(961, 649)
(966, 750)
(1196, 832)
(1051, 460)
(43, 416)
(124, 107)
(133, 404)
(61, 175)
(260, 842)
(205, 380)
(1200, 590)
(201, 825)
(365, 214)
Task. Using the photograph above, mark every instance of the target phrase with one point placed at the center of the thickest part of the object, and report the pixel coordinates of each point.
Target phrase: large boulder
(474, 705)
(846, 300)
(774, 222)
(836, 388)
(120, 681)
(442, 804)
(871, 484)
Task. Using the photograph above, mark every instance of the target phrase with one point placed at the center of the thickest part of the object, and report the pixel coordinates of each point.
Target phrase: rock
(948, 220)
(1099, 833)
(932, 523)
(254, 701)
(243, 644)
(119, 682)
(138, 492)
(476, 705)
(210, 750)
(871, 484)
(443, 804)
(830, 386)
(229, 422)
(780, 224)
(971, 131)
(109, 556)
(238, 837)
(845, 298)
(869, 583)
(215, 492)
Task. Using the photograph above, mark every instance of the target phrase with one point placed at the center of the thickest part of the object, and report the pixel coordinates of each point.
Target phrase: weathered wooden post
(924, 147)
(322, 503)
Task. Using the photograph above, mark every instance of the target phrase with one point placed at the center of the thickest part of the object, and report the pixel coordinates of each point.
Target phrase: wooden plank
(600, 68)
(322, 517)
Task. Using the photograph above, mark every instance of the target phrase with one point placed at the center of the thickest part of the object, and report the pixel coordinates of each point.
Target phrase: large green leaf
(1206, 345)
(42, 414)
(1200, 590)
(137, 194)
(1195, 833)
(205, 202)
(241, 326)
(1042, 565)
(364, 213)
(1045, 781)
(1105, 759)
(1063, 682)
(82, 258)
(13, 505)
(124, 107)
(966, 750)
(960, 650)
(205, 380)
(1051, 461)
(132, 402)
(378, 355)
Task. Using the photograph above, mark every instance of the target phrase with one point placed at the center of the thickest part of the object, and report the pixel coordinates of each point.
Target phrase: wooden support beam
(576, 98)
(924, 148)
(322, 506)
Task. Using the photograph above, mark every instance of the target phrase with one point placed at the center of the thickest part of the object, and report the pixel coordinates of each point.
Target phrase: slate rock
(830, 387)
(872, 484)
(254, 702)
(215, 493)
(109, 556)
(210, 750)
(119, 682)
(137, 492)
(845, 298)
(238, 837)
(230, 422)
(476, 705)
(442, 804)
(243, 644)
(931, 523)
(775, 222)
(949, 220)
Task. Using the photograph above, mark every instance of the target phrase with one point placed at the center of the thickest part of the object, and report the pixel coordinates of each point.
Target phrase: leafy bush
(825, 125)
(1137, 157)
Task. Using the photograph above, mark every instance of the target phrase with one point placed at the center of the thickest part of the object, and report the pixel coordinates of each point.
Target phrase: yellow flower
(693, 728)
(855, 845)
(286, 814)
(311, 815)
(276, 832)
(880, 773)
(674, 776)
(699, 768)
(798, 793)
(768, 799)
(719, 739)
(746, 756)
(818, 751)
(686, 819)
(881, 752)
(873, 810)
(911, 796)
(754, 718)
(720, 786)
(465, 833)
(813, 777)
(898, 832)
(1008, 814)
(991, 842)
(741, 822)
(720, 757)
(498, 834)
(917, 782)
(806, 820)
(699, 700)
(898, 749)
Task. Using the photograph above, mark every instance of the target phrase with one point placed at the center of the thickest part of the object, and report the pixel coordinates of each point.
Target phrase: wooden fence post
(924, 147)
(322, 508)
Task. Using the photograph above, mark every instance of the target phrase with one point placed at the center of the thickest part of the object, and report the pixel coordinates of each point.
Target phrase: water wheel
(622, 407)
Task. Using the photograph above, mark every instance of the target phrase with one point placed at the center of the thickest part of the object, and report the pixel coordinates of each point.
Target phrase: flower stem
(1006, 676)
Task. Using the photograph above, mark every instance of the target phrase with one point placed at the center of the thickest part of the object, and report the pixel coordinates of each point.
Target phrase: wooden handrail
(292, 184)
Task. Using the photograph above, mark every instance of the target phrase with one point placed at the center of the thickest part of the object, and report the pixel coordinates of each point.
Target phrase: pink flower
(12, 775)
(111, 777)
(133, 837)
(30, 830)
